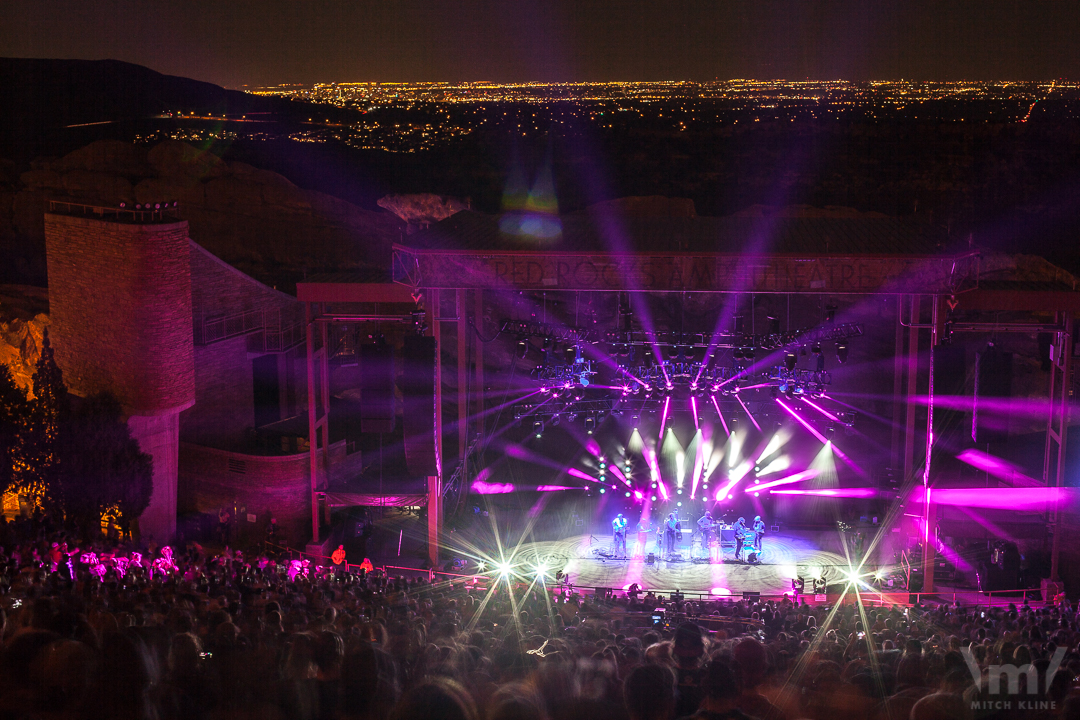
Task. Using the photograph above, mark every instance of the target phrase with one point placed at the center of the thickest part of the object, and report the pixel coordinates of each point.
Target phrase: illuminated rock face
(422, 209)
(121, 321)
(23, 320)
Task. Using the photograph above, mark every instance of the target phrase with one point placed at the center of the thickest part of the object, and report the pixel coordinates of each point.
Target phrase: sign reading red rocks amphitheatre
(684, 273)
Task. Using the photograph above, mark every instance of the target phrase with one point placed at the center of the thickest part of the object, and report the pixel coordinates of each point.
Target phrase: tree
(13, 409)
(102, 467)
(37, 466)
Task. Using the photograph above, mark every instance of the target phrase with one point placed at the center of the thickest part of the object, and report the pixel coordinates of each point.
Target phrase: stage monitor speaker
(915, 581)
(376, 388)
(418, 413)
(752, 558)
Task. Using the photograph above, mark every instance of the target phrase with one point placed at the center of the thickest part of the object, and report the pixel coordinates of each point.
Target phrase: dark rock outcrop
(247, 216)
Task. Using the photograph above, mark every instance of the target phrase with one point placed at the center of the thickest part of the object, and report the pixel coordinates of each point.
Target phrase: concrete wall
(224, 408)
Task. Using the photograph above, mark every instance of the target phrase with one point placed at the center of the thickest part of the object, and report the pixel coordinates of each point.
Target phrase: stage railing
(867, 598)
(294, 554)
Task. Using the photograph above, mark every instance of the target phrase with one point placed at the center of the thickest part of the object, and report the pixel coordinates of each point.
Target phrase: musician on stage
(618, 530)
(759, 532)
(740, 534)
(672, 530)
(705, 525)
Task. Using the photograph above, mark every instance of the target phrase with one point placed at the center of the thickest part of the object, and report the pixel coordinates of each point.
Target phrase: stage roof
(469, 231)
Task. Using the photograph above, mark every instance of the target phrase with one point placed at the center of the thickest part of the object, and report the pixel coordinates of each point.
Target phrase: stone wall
(120, 310)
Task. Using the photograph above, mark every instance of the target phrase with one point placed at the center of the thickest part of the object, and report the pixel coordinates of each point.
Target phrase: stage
(783, 557)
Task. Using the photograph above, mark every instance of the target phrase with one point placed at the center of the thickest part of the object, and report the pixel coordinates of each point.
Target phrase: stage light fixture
(627, 493)
(829, 432)
(678, 504)
(654, 498)
(602, 491)
(790, 361)
(522, 347)
(556, 419)
(841, 352)
(654, 486)
(538, 428)
(590, 423)
(602, 465)
(774, 325)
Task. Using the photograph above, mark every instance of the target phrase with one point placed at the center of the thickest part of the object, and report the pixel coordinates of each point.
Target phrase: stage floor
(783, 557)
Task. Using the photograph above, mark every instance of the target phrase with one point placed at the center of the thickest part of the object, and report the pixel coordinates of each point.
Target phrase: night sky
(237, 42)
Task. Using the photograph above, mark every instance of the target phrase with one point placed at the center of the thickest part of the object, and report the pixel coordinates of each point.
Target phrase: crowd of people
(224, 635)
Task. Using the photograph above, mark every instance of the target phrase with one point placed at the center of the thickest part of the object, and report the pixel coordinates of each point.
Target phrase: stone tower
(120, 308)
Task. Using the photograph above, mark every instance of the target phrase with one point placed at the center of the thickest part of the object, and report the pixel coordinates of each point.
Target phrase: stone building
(199, 354)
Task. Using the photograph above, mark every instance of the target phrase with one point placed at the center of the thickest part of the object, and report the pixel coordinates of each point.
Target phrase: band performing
(705, 540)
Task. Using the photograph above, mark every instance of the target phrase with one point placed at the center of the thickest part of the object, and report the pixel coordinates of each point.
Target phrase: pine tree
(38, 462)
(13, 409)
(102, 467)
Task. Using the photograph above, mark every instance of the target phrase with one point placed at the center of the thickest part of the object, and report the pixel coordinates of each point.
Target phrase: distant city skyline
(244, 43)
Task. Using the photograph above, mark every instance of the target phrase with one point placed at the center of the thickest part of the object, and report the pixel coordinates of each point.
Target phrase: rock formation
(252, 218)
(422, 209)
(23, 319)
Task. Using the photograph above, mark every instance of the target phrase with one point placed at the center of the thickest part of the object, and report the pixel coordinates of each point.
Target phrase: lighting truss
(624, 338)
(565, 376)
(700, 377)
(800, 382)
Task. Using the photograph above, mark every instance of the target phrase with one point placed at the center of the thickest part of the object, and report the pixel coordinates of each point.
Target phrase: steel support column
(1057, 426)
(434, 509)
(317, 394)
(462, 375)
(898, 385)
(937, 318)
(478, 387)
(912, 377)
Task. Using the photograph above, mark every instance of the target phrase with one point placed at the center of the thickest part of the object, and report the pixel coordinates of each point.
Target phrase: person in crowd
(188, 632)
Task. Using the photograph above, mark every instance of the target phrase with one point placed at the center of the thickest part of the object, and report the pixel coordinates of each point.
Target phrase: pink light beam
(797, 477)
(813, 431)
(748, 413)
(723, 422)
(663, 418)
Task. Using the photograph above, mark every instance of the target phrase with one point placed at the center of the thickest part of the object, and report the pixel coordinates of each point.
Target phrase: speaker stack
(376, 388)
(418, 413)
